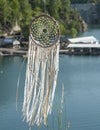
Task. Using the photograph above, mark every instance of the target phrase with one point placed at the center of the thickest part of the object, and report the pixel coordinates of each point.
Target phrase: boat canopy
(88, 39)
(83, 45)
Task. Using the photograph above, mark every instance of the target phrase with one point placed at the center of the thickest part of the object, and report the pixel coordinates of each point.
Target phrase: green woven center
(45, 30)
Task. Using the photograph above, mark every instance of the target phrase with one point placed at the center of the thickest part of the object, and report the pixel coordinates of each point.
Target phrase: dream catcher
(42, 69)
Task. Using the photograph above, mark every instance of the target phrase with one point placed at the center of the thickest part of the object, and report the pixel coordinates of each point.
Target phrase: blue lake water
(81, 78)
(93, 32)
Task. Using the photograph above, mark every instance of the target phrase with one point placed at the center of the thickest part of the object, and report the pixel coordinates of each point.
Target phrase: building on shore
(83, 45)
(9, 43)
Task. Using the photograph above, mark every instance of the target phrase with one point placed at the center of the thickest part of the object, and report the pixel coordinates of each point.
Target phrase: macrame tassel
(40, 83)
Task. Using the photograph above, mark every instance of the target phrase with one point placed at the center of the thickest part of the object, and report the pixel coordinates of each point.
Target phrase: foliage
(22, 11)
(26, 12)
(73, 32)
(5, 11)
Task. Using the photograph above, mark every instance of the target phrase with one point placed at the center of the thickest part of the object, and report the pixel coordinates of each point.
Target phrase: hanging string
(41, 70)
(18, 81)
(41, 78)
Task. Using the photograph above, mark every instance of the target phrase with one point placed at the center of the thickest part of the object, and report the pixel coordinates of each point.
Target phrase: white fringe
(40, 84)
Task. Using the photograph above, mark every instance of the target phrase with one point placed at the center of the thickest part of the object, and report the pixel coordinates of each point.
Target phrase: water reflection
(81, 78)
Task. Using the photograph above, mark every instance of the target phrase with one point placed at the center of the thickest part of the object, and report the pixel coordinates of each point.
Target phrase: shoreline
(23, 52)
(12, 52)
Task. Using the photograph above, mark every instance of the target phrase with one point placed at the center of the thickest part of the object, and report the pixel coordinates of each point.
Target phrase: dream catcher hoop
(42, 69)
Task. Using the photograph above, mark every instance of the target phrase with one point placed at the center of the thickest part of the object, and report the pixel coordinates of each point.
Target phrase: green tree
(26, 10)
(37, 10)
(73, 32)
(65, 5)
(15, 11)
(22, 11)
(39, 4)
(54, 7)
(5, 11)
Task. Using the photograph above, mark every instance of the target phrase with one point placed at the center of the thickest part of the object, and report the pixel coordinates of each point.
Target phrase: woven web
(44, 30)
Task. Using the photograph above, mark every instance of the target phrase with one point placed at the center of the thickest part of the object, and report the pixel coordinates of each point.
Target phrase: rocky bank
(90, 12)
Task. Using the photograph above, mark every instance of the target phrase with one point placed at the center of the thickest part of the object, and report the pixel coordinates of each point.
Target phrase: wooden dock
(21, 52)
(12, 51)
